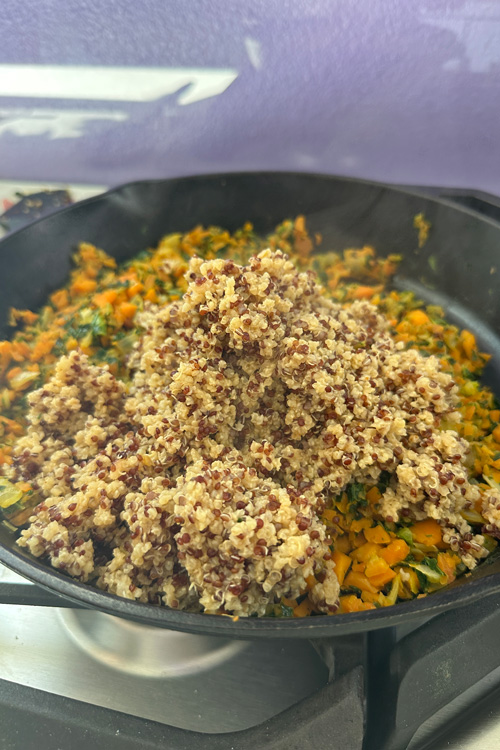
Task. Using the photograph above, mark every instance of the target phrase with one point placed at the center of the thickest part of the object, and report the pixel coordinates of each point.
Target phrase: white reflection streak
(105, 83)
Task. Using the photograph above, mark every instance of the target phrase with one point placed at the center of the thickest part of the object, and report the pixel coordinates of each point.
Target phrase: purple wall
(406, 92)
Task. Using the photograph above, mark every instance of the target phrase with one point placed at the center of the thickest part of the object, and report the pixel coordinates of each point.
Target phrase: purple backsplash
(405, 92)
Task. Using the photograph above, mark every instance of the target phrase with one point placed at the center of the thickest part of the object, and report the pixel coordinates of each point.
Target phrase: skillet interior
(456, 268)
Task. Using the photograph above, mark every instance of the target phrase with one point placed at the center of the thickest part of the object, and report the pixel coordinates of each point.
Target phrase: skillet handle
(29, 595)
(427, 669)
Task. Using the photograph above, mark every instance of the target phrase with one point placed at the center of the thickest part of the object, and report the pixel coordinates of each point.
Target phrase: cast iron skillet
(457, 268)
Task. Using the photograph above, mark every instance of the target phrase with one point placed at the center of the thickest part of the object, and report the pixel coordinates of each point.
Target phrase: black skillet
(457, 268)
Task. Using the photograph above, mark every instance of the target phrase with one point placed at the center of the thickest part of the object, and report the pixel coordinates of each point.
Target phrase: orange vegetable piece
(71, 344)
(134, 289)
(43, 346)
(360, 524)
(376, 566)
(342, 564)
(380, 580)
(5, 355)
(127, 310)
(358, 567)
(83, 285)
(352, 603)
(496, 433)
(60, 299)
(303, 609)
(373, 495)
(470, 411)
(365, 552)
(395, 552)
(311, 582)
(427, 532)
(377, 535)
(418, 318)
(359, 581)
(365, 292)
(448, 563)
(105, 298)
(468, 341)
(20, 351)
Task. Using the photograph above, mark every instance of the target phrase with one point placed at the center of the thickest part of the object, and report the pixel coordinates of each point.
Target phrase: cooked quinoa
(205, 428)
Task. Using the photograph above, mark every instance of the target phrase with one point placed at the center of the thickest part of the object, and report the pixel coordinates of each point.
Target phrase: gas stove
(71, 677)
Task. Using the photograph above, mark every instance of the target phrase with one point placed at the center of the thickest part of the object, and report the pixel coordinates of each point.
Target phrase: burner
(144, 651)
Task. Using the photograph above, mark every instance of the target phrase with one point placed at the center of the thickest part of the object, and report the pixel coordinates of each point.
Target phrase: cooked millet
(251, 401)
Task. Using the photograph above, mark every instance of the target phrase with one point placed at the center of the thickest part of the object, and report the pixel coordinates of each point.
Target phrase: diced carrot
(395, 552)
(381, 580)
(496, 433)
(375, 567)
(373, 495)
(469, 412)
(60, 299)
(361, 523)
(377, 535)
(364, 292)
(105, 298)
(20, 351)
(134, 289)
(352, 603)
(359, 581)
(71, 344)
(151, 296)
(5, 355)
(22, 317)
(357, 540)
(127, 310)
(448, 563)
(470, 430)
(342, 564)
(365, 552)
(43, 346)
(468, 341)
(427, 532)
(418, 318)
(289, 602)
(358, 567)
(495, 415)
(303, 609)
(83, 285)
(311, 582)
